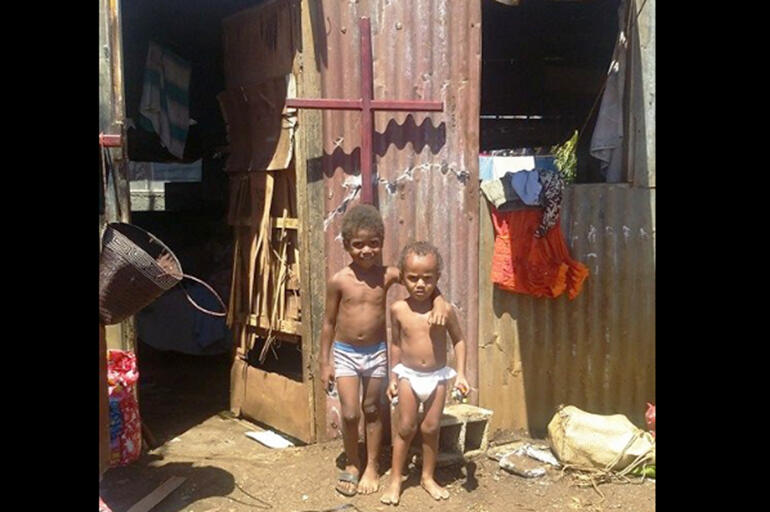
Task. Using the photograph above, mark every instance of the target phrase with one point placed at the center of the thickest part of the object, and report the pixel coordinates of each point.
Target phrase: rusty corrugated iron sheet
(596, 352)
(426, 163)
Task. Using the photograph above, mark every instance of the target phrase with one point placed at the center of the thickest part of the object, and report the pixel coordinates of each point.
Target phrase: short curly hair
(361, 216)
(419, 248)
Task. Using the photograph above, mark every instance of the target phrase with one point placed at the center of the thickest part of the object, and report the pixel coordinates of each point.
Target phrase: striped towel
(164, 107)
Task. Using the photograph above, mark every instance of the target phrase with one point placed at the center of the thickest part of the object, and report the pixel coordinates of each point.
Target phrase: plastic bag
(586, 440)
(649, 416)
(125, 423)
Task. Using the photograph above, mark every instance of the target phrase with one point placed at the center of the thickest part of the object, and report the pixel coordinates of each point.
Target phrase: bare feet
(347, 481)
(392, 493)
(370, 482)
(434, 489)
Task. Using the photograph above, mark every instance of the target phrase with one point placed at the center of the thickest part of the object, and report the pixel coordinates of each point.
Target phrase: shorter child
(419, 373)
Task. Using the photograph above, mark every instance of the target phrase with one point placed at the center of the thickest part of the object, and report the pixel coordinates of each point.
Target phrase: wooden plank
(293, 282)
(288, 223)
(285, 325)
(111, 121)
(293, 307)
(279, 402)
(238, 381)
(640, 79)
(310, 206)
(264, 245)
(284, 337)
(156, 496)
(234, 281)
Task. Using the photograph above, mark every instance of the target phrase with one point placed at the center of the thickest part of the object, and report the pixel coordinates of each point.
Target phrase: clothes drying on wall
(165, 104)
(542, 188)
(522, 263)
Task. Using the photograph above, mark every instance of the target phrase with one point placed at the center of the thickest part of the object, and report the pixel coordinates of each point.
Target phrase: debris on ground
(269, 439)
(228, 472)
(538, 453)
(158, 495)
(497, 452)
(518, 463)
(541, 453)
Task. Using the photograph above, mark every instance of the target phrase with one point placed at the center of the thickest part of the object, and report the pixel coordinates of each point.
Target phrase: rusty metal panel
(596, 352)
(426, 163)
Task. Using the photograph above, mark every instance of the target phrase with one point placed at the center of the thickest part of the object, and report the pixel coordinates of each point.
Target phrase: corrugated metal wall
(426, 163)
(596, 352)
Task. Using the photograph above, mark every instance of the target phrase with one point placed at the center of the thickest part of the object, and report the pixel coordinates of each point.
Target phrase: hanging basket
(130, 276)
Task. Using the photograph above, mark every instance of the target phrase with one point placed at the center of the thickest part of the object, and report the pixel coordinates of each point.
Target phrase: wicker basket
(130, 277)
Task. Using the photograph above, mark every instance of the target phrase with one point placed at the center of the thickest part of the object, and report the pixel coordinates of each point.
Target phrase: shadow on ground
(122, 487)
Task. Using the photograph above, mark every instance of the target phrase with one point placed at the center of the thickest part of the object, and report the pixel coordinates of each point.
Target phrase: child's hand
(462, 385)
(440, 312)
(327, 376)
(392, 389)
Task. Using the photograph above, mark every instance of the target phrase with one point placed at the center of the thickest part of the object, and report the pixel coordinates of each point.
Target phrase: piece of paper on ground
(269, 439)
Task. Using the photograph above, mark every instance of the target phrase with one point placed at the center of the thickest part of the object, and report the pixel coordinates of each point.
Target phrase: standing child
(355, 320)
(419, 373)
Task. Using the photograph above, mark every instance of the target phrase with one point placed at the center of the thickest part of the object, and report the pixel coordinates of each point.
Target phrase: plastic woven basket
(130, 277)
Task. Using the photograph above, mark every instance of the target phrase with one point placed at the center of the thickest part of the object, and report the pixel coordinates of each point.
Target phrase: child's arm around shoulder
(392, 276)
(441, 307)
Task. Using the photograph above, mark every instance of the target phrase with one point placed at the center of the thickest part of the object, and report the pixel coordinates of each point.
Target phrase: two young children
(355, 352)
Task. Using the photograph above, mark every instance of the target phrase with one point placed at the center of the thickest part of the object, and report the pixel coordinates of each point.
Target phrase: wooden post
(310, 201)
(111, 117)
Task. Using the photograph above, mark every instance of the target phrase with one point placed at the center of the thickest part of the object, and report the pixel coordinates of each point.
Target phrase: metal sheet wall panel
(426, 163)
(596, 352)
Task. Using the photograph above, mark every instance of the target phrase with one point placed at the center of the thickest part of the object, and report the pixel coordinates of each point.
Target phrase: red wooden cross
(367, 105)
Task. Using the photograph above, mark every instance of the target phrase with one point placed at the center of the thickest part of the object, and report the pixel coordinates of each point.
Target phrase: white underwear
(424, 383)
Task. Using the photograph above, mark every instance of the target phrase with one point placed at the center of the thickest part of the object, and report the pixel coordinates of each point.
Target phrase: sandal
(344, 476)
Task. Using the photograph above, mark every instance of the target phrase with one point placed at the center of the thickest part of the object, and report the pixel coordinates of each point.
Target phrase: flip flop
(344, 476)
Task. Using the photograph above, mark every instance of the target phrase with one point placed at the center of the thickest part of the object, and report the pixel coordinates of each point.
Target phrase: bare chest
(415, 327)
(356, 294)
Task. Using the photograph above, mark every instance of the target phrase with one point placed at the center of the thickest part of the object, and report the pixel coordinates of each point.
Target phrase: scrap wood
(265, 231)
(233, 282)
(156, 496)
(279, 288)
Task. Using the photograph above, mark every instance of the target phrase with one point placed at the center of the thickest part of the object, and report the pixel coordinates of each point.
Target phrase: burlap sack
(582, 439)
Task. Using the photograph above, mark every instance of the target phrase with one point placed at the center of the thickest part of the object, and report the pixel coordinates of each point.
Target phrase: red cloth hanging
(522, 263)
(125, 422)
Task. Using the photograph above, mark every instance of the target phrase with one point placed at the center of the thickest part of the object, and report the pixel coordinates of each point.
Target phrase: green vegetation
(566, 158)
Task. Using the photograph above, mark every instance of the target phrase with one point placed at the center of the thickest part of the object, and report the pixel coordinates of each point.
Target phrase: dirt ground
(227, 472)
(182, 398)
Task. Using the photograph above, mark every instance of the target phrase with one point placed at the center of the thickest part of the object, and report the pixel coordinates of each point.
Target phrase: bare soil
(227, 472)
(182, 399)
